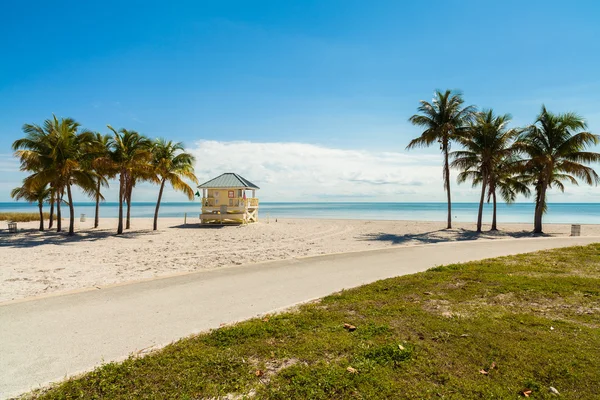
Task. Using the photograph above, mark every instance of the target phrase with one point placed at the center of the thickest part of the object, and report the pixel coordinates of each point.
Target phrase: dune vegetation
(21, 216)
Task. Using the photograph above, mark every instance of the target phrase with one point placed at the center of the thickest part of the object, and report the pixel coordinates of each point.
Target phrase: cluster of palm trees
(59, 154)
(506, 161)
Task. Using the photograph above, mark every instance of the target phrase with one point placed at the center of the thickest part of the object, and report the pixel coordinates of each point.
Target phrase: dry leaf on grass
(349, 327)
(483, 372)
(526, 392)
(259, 372)
(352, 370)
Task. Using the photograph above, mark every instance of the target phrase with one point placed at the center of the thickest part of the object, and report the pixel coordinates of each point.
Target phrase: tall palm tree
(104, 169)
(487, 141)
(131, 154)
(172, 164)
(443, 120)
(555, 148)
(56, 153)
(33, 195)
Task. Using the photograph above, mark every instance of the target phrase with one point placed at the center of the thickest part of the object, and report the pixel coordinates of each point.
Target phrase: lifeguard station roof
(228, 180)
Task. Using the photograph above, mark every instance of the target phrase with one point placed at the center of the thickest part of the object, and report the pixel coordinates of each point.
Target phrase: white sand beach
(39, 263)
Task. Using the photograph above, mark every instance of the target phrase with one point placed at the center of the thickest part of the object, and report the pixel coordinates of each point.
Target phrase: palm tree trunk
(121, 184)
(97, 215)
(539, 210)
(481, 200)
(447, 186)
(41, 208)
(58, 214)
(71, 211)
(494, 227)
(160, 193)
(51, 223)
(128, 223)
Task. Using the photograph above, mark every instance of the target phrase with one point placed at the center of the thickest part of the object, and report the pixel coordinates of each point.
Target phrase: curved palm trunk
(494, 227)
(71, 211)
(481, 200)
(160, 193)
(447, 186)
(121, 184)
(51, 222)
(539, 210)
(97, 215)
(58, 214)
(41, 209)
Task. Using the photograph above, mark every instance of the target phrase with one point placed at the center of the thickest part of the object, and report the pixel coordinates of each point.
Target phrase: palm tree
(444, 119)
(171, 164)
(56, 153)
(506, 179)
(104, 169)
(131, 154)
(35, 152)
(555, 146)
(33, 195)
(487, 141)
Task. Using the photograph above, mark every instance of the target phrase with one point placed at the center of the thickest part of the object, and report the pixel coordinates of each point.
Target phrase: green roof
(228, 180)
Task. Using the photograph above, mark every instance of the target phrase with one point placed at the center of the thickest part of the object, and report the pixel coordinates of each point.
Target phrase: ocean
(569, 213)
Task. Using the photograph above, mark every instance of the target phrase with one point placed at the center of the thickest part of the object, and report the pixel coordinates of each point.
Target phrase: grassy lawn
(482, 330)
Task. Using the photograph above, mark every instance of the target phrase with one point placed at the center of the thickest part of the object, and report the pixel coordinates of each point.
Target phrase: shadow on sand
(28, 238)
(198, 225)
(446, 235)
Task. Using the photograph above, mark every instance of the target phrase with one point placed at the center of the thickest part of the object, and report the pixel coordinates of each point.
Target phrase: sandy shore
(34, 263)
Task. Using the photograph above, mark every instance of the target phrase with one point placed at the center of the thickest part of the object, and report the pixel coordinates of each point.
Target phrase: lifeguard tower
(224, 200)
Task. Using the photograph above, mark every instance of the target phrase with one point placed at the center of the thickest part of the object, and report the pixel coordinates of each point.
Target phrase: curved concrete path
(47, 339)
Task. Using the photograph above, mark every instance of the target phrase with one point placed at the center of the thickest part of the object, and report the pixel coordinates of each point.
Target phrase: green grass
(22, 217)
(428, 335)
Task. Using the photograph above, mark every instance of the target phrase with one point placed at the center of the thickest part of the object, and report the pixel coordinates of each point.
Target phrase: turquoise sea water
(579, 213)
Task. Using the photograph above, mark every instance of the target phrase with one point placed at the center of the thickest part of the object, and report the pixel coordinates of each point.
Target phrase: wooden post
(185, 218)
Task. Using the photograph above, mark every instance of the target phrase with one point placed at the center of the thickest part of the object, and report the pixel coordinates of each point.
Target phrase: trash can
(82, 218)
(12, 227)
(575, 230)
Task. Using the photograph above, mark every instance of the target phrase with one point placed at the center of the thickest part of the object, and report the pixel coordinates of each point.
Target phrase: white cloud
(307, 172)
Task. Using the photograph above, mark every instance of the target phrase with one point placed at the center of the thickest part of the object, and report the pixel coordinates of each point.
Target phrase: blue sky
(329, 82)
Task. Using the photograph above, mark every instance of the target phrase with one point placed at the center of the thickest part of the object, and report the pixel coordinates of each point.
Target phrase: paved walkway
(47, 339)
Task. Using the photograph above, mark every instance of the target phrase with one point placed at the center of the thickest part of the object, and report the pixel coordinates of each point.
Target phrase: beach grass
(22, 217)
(493, 329)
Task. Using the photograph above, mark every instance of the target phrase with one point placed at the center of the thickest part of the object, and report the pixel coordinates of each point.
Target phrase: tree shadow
(446, 235)
(28, 238)
(198, 225)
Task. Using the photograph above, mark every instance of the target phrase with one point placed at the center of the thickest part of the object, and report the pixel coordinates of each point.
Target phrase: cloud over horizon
(295, 171)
